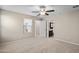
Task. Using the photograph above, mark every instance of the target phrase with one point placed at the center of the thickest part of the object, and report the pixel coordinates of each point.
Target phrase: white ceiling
(27, 9)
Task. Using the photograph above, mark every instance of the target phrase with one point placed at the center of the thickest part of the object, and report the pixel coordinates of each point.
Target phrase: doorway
(40, 28)
(44, 28)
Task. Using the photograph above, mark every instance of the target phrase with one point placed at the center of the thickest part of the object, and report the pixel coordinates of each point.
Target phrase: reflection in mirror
(27, 25)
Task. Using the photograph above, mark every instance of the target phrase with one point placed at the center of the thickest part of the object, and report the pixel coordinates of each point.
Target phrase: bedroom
(34, 37)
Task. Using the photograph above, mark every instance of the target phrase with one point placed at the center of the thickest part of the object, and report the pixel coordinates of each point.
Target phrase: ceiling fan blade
(75, 6)
(46, 14)
(38, 15)
(35, 11)
(50, 10)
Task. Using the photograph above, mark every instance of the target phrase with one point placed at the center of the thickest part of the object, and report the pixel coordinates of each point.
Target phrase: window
(27, 25)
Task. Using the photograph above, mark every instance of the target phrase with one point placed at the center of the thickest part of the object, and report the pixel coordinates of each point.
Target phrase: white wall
(12, 26)
(67, 27)
(0, 24)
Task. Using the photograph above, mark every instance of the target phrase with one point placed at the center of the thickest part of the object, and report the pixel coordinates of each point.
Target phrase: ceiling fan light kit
(43, 11)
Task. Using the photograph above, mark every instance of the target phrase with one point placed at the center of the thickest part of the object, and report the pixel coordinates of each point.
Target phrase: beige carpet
(38, 45)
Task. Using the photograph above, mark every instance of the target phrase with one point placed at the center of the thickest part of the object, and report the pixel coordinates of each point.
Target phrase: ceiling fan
(75, 6)
(43, 11)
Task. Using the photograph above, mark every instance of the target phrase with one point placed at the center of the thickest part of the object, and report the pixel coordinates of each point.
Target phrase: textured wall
(0, 24)
(67, 27)
(12, 26)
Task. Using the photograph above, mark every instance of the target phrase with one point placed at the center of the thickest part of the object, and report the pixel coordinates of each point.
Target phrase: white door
(40, 28)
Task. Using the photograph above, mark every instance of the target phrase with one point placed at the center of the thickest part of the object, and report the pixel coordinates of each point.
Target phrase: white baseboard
(67, 41)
